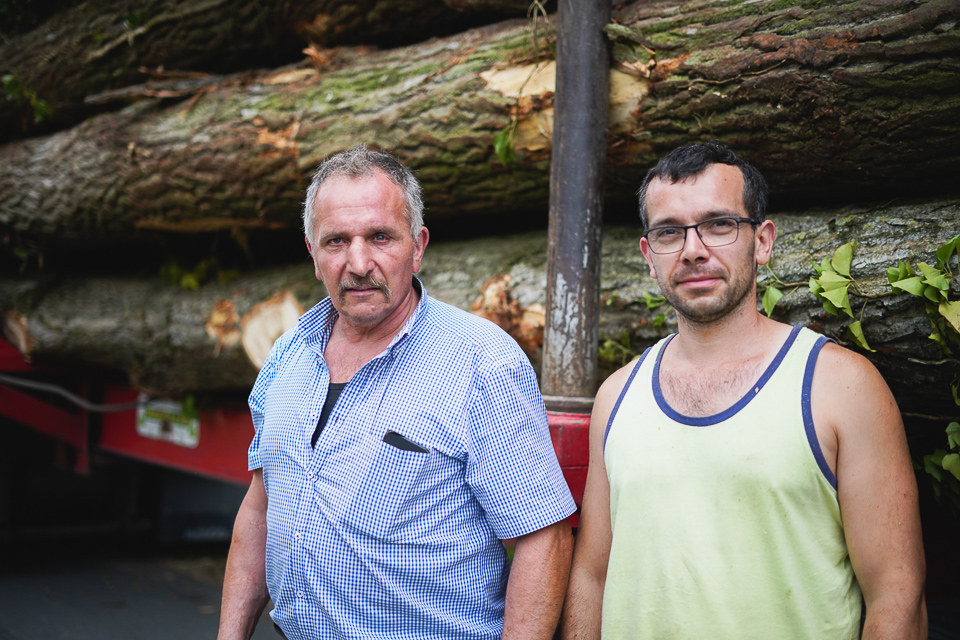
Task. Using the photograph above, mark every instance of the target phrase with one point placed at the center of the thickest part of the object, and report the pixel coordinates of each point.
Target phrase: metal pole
(569, 374)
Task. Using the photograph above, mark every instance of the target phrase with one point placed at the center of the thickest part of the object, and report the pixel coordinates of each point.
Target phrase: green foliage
(932, 283)
(832, 285)
(943, 467)
(18, 91)
(193, 278)
(773, 292)
(620, 352)
(503, 143)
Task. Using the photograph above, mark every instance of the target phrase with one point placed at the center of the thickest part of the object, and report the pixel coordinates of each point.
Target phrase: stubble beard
(703, 312)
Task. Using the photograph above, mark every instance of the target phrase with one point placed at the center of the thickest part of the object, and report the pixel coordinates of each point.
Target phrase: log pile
(849, 109)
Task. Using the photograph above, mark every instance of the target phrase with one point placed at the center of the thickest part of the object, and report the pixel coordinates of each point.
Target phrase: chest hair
(699, 392)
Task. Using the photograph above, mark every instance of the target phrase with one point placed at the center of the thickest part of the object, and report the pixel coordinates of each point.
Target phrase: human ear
(764, 237)
(420, 246)
(648, 256)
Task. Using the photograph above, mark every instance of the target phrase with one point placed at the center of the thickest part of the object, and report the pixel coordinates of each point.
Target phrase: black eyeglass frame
(696, 227)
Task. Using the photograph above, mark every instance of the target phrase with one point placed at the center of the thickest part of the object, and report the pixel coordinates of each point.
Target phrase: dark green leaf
(951, 463)
(503, 144)
(933, 468)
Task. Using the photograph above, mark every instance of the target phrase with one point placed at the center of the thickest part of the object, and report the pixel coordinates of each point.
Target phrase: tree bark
(173, 341)
(87, 49)
(831, 103)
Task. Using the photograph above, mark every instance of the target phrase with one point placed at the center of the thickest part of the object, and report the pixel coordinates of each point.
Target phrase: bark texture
(171, 341)
(95, 47)
(831, 101)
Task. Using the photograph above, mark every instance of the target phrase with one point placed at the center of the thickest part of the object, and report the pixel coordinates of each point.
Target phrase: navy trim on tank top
(707, 421)
(623, 392)
(807, 408)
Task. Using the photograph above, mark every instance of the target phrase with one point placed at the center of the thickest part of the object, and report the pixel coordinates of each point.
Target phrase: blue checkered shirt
(367, 540)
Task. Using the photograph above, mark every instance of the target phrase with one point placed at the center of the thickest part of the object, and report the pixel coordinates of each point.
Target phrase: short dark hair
(692, 160)
(361, 162)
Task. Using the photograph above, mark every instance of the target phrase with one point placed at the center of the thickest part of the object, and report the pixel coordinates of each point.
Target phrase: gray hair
(361, 162)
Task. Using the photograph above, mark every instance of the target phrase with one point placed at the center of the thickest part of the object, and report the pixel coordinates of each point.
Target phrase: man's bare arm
(538, 582)
(877, 492)
(245, 582)
(584, 602)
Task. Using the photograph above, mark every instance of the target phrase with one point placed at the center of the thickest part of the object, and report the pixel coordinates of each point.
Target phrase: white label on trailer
(165, 420)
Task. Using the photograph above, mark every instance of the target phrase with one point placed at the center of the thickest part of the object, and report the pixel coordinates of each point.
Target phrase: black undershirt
(333, 394)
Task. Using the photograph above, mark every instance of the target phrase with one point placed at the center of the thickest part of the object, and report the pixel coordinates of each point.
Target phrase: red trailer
(185, 470)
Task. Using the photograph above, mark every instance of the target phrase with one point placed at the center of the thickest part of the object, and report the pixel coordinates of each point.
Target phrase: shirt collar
(315, 325)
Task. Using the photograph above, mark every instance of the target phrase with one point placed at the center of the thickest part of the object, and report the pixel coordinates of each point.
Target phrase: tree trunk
(172, 341)
(848, 100)
(87, 50)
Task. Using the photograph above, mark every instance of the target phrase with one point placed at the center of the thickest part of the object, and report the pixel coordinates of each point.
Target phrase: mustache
(362, 282)
(696, 272)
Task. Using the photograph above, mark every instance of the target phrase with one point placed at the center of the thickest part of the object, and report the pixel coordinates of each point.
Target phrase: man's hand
(245, 582)
(538, 582)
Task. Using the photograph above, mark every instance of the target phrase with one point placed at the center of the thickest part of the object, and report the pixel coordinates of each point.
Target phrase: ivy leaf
(945, 251)
(826, 266)
(934, 277)
(953, 435)
(951, 312)
(932, 466)
(770, 299)
(503, 144)
(829, 307)
(840, 299)
(951, 463)
(932, 294)
(831, 280)
(855, 333)
(843, 257)
(815, 287)
(912, 285)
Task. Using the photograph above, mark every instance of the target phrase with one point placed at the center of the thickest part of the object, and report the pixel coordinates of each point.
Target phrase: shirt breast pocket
(394, 494)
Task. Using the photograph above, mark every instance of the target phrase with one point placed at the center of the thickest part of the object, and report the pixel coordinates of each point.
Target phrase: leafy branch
(833, 285)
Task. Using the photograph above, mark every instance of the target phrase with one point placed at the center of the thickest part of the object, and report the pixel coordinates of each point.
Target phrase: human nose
(693, 247)
(359, 260)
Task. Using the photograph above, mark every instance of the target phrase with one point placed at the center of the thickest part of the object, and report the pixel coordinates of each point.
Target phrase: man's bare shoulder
(846, 386)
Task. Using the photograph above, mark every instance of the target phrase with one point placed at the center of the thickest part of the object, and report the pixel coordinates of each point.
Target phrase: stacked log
(848, 108)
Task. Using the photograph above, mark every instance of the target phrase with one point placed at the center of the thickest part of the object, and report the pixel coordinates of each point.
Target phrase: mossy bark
(95, 47)
(831, 100)
(169, 341)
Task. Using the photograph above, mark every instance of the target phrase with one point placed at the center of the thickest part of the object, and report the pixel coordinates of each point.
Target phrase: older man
(747, 479)
(399, 441)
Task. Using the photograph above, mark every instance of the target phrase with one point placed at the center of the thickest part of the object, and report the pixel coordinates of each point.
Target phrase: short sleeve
(512, 467)
(257, 400)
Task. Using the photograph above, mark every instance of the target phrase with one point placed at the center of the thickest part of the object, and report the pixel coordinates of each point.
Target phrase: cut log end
(266, 322)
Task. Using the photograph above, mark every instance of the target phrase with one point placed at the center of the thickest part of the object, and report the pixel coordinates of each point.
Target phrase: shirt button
(311, 475)
(297, 535)
(299, 594)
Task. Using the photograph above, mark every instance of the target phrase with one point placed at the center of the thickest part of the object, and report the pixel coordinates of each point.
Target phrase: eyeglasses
(715, 232)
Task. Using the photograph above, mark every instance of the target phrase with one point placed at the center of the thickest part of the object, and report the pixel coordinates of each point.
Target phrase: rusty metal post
(568, 377)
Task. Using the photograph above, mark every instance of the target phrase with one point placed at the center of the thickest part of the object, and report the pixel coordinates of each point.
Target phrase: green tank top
(727, 526)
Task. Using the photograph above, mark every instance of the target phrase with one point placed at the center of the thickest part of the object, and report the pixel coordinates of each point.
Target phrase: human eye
(666, 234)
(720, 226)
